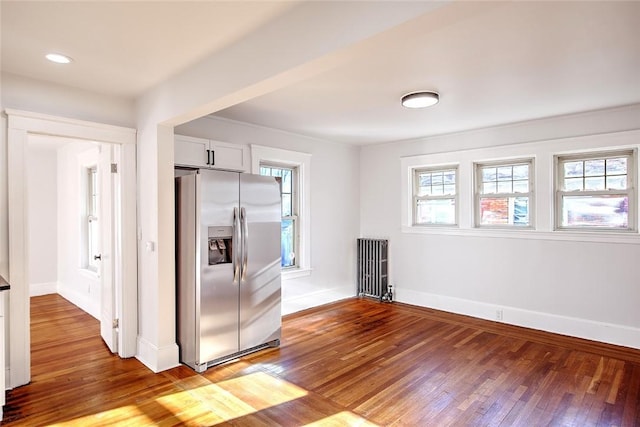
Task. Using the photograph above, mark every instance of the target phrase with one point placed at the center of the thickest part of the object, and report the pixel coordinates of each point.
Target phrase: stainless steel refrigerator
(227, 265)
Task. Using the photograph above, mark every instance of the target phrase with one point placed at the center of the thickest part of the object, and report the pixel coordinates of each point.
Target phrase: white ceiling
(491, 62)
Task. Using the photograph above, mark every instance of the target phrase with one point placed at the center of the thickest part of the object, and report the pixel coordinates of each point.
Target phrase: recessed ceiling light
(58, 58)
(420, 99)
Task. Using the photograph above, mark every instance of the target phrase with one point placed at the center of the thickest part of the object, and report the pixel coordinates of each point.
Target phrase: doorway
(21, 127)
(63, 225)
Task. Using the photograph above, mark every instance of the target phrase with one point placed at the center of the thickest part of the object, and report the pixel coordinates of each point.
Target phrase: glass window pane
(594, 183)
(489, 187)
(94, 243)
(436, 178)
(437, 190)
(594, 167)
(504, 211)
(505, 173)
(423, 191)
(489, 174)
(287, 187)
(504, 187)
(287, 249)
(286, 181)
(425, 179)
(494, 211)
(449, 189)
(573, 169)
(572, 184)
(521, 172)
(521, 186)
(450, 177)
(617, 166)
(595, 211)
(520, 211)
(286, 205)
(617, 182)
(436, 212)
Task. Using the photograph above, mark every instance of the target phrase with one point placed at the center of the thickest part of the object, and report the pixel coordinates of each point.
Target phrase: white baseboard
(581, 328)
(84, 302)
(46, 288)
(157, 359)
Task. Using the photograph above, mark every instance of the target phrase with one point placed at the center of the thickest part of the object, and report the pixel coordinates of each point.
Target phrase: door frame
(20, 125)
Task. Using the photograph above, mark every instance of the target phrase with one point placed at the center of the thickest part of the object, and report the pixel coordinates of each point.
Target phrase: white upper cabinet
(206, 153)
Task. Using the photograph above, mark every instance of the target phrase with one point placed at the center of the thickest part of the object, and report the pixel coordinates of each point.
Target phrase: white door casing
(19, 125)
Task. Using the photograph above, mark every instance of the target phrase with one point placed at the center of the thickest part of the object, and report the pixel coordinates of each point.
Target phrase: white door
(108, 244)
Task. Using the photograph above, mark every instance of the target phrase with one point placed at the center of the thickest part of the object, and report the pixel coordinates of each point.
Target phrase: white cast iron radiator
(372, 269)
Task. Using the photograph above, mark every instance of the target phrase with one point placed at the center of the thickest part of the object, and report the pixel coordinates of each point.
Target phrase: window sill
(90, 273)
(296, 273)
(627, 238)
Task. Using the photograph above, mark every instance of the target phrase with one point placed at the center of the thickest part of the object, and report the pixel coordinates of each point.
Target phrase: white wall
(577, 286)
(42, 219)
(334, 198)
(36, 96)
(75, 283)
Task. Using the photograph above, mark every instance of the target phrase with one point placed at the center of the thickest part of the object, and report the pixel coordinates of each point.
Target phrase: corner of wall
(157, 359)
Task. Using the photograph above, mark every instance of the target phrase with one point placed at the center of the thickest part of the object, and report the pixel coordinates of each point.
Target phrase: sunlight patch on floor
(344, 418)
(131, 413)
(202, 402)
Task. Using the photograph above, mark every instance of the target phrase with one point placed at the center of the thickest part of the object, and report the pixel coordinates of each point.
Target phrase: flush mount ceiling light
(58, 58)
(420, 99)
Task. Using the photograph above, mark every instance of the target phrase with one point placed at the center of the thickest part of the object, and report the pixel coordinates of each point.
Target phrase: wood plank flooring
(352, 363)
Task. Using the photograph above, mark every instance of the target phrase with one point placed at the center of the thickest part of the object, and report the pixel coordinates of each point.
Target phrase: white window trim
(477, 166)
(455, 196)
(301, 161)
(631, 191)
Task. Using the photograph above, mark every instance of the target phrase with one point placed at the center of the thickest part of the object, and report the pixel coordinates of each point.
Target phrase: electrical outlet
(499, 314)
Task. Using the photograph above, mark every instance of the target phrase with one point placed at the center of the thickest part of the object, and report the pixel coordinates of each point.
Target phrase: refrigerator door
(260, 294)
(217, 293)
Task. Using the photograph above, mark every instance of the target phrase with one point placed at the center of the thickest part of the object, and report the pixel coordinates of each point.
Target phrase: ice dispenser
(220, 245)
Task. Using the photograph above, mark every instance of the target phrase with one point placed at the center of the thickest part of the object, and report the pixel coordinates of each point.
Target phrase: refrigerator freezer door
(260, 294)
(218, 294)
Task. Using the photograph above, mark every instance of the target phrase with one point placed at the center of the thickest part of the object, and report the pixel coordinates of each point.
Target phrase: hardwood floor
(355, 362)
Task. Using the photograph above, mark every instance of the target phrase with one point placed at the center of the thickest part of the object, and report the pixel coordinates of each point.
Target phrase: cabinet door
(229, 156)
(190, 151)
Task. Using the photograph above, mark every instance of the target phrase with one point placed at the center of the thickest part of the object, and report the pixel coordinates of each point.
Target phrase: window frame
(455, 197)
(630, 192)
(295, 207)
(91, 216)
(478, 192)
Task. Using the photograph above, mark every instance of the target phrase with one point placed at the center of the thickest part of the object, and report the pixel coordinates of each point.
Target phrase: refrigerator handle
(236, 246)
(245, 244)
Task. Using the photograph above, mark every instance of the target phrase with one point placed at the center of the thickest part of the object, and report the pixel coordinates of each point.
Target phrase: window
(289, 229)
(504, 194)
(596, 191)
(301, 189)
(92, 236)
(435, 196)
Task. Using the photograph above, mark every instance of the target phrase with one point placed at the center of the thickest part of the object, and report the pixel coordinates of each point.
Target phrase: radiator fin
(372, 267)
